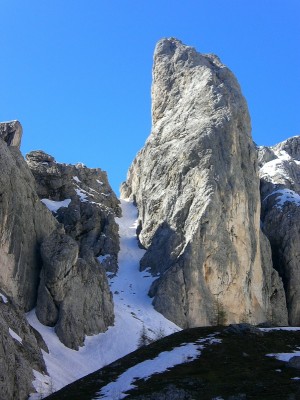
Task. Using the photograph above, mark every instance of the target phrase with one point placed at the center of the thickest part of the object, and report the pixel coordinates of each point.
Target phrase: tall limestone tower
(196, 187)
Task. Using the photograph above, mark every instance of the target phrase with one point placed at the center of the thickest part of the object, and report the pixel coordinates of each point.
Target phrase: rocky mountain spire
(196, 187)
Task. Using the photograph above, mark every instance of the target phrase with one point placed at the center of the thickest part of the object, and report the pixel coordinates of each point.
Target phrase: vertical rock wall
(196, 187)
(24, 222)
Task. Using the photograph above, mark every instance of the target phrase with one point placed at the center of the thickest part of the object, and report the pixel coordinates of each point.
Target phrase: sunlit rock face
(280, 194)
(196, 187)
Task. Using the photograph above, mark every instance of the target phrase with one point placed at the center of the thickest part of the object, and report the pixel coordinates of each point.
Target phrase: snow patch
(100, 183)
(82, 195)
(281, 328)
(54, 206)
(144, 370)
(273, 169)
(103, 258)
(4, 298)
(43, 386)
(285, 196)
(14, 335)
(283, 356)
(76, 179)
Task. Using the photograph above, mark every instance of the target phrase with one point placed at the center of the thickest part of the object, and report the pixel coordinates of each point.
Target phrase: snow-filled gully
(133, 309)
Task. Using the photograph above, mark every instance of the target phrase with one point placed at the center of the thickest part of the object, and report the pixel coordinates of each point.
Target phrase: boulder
(242, 329)
(196, 187)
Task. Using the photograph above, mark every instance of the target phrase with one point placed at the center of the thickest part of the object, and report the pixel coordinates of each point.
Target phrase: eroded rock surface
(48, 258)
(24, 223)
(74, 295)
(20, 353)
(11, 133)
(280, 194)
(90, 207)
(196, 187)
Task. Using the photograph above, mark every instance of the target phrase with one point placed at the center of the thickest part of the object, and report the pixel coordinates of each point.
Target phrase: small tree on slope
(144, 339)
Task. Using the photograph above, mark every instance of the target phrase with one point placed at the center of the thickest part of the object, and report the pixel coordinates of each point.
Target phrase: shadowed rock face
(74, 295)
(48, 260)
(24, 223)
(196, 187)
(280, 193)
(19, 355)
(89, 216)
(11, 133)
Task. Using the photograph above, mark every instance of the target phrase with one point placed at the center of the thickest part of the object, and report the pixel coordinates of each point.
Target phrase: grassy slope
(236, 366)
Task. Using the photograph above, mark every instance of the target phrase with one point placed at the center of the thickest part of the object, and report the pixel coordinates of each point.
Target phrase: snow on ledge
(4, 298)
(283, 356)
(14, 335)
(80, 193)
(103, 258)
(54, 206)
(43, 386)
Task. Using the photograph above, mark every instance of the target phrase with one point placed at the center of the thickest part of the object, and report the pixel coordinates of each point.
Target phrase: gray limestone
(280, 194)
(49, 259)
(73, 295)
(19, 354)
(196, 187)
(11, 133)
(90, 216)
(24, 223)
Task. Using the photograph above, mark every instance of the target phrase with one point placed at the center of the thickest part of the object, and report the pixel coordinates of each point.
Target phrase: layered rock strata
(196, 187)
(280, 194)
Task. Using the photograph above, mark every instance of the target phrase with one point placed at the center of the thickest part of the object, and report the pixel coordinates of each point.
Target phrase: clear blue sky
(77, 74)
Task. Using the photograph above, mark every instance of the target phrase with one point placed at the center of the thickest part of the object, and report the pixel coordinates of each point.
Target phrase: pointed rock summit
(196, 187)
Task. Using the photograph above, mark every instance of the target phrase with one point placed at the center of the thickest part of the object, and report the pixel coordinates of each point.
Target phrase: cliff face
(280, 194)
(73, 294)
(24, 222)
(58, 237)
(196, 187)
